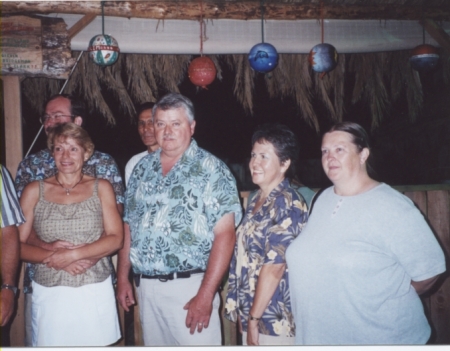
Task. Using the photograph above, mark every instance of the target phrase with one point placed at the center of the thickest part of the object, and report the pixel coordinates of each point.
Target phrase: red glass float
(424, 58)
(202, 71)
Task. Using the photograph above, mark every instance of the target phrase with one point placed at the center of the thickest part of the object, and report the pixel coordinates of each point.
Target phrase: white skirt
(66, 316)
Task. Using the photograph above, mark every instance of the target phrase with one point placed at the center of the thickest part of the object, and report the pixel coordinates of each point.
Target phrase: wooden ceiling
(437, 10)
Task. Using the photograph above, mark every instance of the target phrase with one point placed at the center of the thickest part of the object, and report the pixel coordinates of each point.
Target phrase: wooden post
(13, 123)
(13, 155)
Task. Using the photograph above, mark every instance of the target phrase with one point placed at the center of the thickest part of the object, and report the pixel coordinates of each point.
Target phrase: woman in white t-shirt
(363, 259)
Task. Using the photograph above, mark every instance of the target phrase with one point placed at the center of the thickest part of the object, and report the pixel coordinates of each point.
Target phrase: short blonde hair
(71, 130)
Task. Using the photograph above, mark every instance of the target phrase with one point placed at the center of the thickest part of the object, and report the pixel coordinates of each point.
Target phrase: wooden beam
(13, 123)
(437, 33)
(81, 24)
(244, 10)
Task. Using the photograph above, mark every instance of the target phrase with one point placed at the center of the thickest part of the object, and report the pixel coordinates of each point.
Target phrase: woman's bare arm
(28, 200)
(268, 280)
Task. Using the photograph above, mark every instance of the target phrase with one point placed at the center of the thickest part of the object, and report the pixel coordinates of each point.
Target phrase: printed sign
(21, 48)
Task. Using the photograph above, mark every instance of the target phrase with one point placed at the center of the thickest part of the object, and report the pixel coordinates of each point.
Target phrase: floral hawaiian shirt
(264, 238)
(42, 165)
(172, 217)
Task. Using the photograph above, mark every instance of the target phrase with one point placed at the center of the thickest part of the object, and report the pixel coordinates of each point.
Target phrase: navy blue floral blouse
(262, 238)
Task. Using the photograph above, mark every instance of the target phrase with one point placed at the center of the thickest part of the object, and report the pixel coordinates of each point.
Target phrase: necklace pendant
(67, 193)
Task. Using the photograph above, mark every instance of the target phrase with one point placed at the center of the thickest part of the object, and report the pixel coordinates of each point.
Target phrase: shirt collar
(279, 188)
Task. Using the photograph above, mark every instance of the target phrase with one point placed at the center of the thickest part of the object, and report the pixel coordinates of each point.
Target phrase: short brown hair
(71, 130)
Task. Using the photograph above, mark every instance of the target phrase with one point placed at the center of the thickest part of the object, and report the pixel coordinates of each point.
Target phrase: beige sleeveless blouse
(78, 223)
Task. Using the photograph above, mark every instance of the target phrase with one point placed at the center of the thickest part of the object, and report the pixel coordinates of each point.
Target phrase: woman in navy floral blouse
(258, 291)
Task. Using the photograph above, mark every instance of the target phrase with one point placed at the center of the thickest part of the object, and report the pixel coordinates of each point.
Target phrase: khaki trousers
(163, 318)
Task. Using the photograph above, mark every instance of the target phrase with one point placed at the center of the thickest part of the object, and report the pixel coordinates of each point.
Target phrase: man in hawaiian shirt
(181, 210)
(59, 109)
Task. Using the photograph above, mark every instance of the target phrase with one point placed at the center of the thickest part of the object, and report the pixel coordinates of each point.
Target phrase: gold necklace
(68, 190)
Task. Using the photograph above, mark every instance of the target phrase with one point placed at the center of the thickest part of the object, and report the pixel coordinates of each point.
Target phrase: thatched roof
(378, 79)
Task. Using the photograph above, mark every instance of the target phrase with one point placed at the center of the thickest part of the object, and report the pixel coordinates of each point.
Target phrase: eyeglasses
(58, 118)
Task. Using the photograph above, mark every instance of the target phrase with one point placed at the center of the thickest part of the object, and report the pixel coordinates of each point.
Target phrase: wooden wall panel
(420, 200)
(439, 217)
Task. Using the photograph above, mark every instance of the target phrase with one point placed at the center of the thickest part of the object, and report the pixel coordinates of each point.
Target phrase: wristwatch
(10, 287)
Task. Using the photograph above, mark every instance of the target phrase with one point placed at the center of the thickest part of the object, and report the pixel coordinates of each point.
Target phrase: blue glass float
(263, 57)
(323, 58)
(424, 58)
(103, 50)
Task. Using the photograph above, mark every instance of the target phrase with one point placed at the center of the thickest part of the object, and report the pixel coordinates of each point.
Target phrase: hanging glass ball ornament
(323, 57)
(103, 50)
(263, 57)
(202, 71)
(424, 58)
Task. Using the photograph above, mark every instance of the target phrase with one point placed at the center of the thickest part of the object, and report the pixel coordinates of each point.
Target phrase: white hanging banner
(150, 36)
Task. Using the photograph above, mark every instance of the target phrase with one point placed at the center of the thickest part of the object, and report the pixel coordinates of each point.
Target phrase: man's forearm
(219, 259)
(34, 240)
(10, 253)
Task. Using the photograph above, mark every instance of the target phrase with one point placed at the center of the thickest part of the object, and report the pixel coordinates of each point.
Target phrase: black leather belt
(166, 277)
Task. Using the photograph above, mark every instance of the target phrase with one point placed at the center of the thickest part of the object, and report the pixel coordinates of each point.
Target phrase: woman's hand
(252, 333)
(80, 266)
(60, 259)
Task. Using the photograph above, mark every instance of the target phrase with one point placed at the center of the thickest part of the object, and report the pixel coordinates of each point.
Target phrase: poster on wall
(21, 45)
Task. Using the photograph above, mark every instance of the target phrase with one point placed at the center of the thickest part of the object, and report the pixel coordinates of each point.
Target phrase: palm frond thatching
(378, 80)
(284, 83)
(38, 90)
(244, 82)
(141, 80)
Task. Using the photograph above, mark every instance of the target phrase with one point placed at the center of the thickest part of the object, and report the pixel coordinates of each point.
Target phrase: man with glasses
(59, 109)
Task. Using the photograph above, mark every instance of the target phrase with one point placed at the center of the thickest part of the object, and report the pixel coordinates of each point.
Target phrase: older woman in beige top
(72, 305)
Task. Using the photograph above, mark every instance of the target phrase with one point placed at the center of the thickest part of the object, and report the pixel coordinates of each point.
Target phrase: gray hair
(173, 101)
